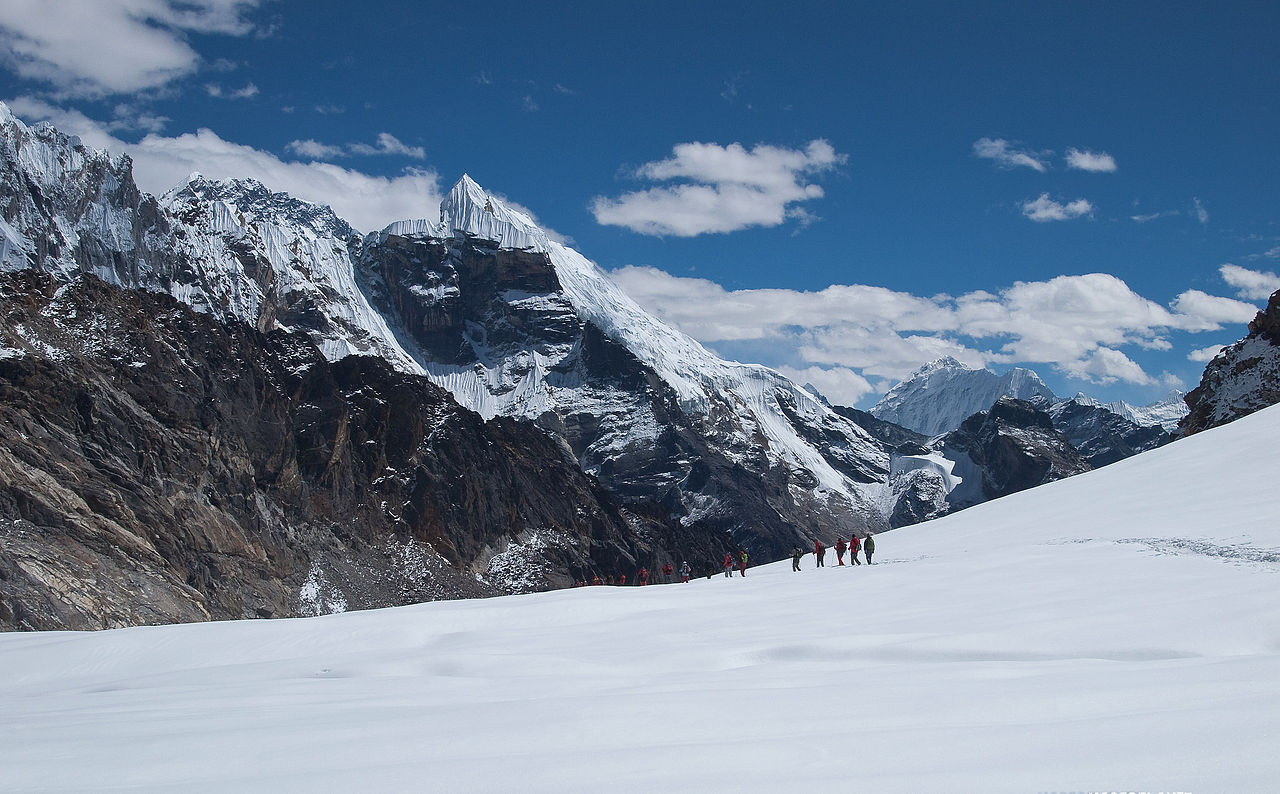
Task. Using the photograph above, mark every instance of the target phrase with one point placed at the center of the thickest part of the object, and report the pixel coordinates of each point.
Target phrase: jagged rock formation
(1241, 379)
(1009, 448)
(940, 395)
(158, 465)
(1101, 435)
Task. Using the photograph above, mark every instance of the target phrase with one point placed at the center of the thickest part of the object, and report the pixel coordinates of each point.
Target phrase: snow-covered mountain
(482, 302)
(515, 323)
(1165, 412)
(943, 393)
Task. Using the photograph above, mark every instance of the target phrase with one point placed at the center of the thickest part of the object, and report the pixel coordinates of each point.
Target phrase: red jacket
(855, 544)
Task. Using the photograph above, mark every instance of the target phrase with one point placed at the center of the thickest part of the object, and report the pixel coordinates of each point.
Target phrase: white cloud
(840, 385)
(1200, 311)
(1106, 365)
(1250, 284)
(1079, 325)
(1153, 216)
(1205, 354)
(1045, 209)
(95, 48)
(367, 202)
(315, 150)
(727, 188)
(1201, 213)
(387, 144)
(1097, 162)
(1006, 156)
(217, 91)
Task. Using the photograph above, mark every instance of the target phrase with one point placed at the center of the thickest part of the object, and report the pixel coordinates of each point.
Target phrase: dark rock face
(888, 433)
(1103, 436)
(1241, 379)
(157, 465)
(1010, 448)
(468, 304)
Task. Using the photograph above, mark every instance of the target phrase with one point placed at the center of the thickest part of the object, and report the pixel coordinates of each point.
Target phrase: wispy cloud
(315, 150)
(215, 90)
(387, 144)
(1151, 216)
(111, 47)
(1201, 213)
(725, 189)
(1007, 155)
(1250, 284)
(1044, 209)
(1097, 162)
(367, 202)
(845, 337)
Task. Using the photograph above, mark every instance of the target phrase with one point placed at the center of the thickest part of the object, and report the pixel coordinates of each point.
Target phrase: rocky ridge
(159, 465)
(1242, 378)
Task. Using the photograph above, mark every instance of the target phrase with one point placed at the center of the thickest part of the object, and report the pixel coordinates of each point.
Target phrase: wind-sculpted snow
(267, 258)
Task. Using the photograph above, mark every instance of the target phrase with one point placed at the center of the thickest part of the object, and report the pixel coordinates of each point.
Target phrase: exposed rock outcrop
(1010, 448)
(158, 465)
(1243, 378)
(1101, 435)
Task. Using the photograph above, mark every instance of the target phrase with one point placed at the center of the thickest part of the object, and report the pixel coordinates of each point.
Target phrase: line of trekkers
(867, 546)
(738, 561)
(732, 560)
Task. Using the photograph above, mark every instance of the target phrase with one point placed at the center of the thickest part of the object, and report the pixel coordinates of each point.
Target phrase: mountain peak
(942, 364)
(471, 209)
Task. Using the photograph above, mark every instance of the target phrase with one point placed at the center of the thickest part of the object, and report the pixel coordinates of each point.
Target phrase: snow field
(1118, 630)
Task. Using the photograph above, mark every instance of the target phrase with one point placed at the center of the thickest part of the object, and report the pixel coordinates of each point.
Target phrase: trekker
(644, 577)
(685, 571)
(855, 546)
(796, 554)
(820, 553)
(840, 548)
(868, 546)
(622, 579)
(667, 568)
(728, 564)
(742, 563)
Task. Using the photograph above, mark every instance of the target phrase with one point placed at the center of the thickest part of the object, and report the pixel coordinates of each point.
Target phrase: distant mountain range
(942, 394)
(227, 402)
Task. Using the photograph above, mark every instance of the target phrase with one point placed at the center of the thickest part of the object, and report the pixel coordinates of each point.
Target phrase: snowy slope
(942, 394)
(1113, 631)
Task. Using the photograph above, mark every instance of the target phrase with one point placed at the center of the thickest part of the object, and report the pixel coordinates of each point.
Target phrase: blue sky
(841, 190)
